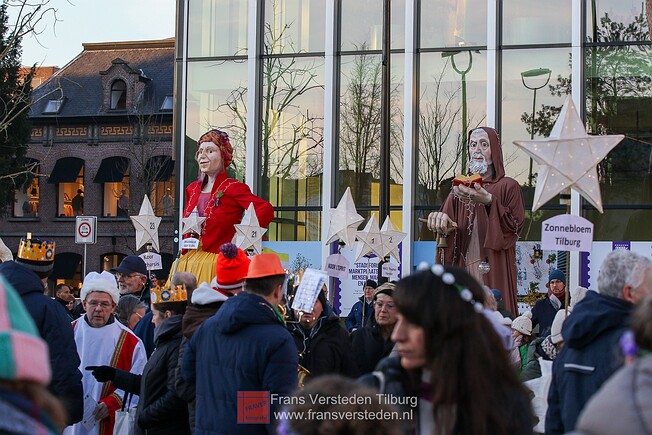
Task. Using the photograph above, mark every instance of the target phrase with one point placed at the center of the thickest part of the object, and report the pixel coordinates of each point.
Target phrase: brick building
(101, 140)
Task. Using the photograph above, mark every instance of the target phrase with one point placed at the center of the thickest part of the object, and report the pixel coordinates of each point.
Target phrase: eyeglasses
(389, 305)
(124, 275)
(103, 305)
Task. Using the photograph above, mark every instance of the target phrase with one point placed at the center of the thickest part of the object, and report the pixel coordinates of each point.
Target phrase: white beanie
(523, 323)
(100, 282)
(555, 329)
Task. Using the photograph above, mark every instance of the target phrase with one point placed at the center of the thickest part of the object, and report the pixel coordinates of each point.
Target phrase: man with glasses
(133, 280)
(372, 343)
(103, 341)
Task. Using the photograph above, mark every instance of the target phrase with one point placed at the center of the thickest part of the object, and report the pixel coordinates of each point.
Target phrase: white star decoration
(193, 223)
(568, 157)
(344, 221)
(249, 233)
(369, 239)
(146, 225)
(390, 239)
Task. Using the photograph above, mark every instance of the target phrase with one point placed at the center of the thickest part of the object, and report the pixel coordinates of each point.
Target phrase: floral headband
(449, 279)
(221, 139)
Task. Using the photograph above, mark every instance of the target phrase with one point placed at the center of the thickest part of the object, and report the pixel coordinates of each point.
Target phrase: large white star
(369, 239)
(146, 225)
(249, 233)
(390, 239)
(568, 157)
(344, 221)
(193, 223)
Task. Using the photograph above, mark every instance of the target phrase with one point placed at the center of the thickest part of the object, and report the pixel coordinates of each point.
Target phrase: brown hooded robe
(497, 227)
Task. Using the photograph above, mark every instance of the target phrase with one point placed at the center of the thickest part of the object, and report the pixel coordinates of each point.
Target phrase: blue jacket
(54, 327)
(359, 311)
(244, 347)
(591, 354)
(543, 313)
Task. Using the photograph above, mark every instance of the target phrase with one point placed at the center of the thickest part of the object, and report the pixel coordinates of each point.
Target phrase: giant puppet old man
(489, 218)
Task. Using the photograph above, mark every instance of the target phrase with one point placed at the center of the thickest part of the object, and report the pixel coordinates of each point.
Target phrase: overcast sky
(82, 21)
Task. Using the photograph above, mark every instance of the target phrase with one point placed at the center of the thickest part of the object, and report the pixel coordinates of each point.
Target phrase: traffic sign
(86, 230)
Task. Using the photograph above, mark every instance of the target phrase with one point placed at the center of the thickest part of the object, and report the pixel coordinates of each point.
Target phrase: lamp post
(539, 72)
(465, 121)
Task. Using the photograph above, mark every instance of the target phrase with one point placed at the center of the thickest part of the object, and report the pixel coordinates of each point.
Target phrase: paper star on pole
(369, 239)
(568, 158)
(249, 233)
(390, 239)
(193, 223)
(146, 225)
(344, 221)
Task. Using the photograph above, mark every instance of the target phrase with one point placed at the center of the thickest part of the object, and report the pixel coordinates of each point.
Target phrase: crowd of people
(220, 349)
(435, 342)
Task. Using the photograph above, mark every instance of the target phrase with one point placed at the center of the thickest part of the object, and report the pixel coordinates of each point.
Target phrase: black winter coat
(326, 348)
(160, 410)
(369, 346)
(54, 326)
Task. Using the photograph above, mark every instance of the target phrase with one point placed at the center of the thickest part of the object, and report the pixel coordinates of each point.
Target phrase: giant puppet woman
(221, 200)
(489, 218)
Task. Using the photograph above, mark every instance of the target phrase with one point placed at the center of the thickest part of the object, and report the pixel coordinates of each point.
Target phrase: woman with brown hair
(451, 358)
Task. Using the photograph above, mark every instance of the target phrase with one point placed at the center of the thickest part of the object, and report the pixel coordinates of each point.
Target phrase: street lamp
(539, 72)
(465, 121)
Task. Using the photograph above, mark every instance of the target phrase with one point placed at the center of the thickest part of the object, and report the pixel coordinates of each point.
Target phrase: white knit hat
(555, 329)
(577, 294)
(100, 282)
(523, 323)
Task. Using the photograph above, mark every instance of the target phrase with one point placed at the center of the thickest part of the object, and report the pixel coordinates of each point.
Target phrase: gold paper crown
(36, 250)
(161, 295)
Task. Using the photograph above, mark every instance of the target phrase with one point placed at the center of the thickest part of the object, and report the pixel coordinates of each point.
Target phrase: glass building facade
(298, 85)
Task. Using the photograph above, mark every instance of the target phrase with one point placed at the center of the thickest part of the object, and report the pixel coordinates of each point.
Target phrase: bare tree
(292, 136)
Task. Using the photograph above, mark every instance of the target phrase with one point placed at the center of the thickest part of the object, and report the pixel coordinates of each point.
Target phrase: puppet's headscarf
(221, 139)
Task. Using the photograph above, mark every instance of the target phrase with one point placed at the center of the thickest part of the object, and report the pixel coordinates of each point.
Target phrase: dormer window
(53, 106)
(167, 103)
(118, 95)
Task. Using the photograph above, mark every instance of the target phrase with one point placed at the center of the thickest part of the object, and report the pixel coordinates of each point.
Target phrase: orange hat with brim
(263, 265)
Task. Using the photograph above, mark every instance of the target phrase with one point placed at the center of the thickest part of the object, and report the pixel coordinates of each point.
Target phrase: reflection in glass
(536, 22)
(217, 98)
(516, 116)
(618, 98)
(362, 25)
(453, 23)
(292, 142)
(294, 26)
(441, 135)
(534, 79)
(217, 28)
(615, 21)
(360, 128)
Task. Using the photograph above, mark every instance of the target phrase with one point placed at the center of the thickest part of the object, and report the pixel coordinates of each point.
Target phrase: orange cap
(263, 265)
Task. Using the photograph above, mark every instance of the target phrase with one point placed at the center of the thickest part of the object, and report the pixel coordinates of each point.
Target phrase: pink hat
(23, 353)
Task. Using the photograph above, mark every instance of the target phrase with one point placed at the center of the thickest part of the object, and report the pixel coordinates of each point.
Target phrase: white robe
(96, 347)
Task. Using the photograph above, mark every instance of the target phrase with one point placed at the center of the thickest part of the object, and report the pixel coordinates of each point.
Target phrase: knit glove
(102, 373)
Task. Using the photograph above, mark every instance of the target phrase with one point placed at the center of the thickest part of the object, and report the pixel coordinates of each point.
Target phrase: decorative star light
(568, 157)
(249, 233)
(390, 239)
(146, 225)
(344, 221)
(193, 223)
(369, 239)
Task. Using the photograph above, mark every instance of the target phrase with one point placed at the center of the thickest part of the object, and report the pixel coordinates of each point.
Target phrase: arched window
(118, 95)
(68, 175)
(114, 174)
